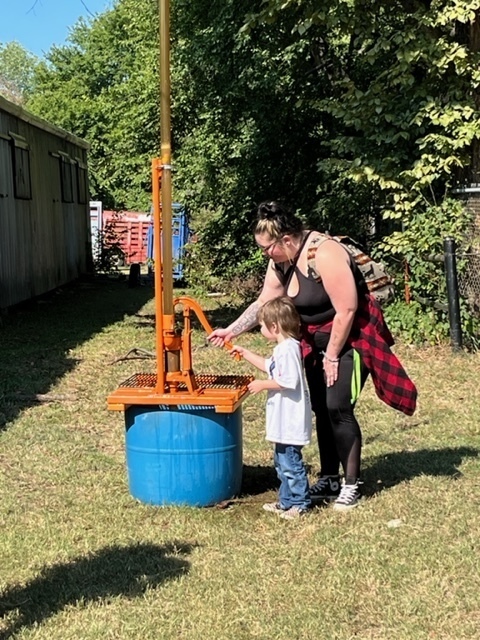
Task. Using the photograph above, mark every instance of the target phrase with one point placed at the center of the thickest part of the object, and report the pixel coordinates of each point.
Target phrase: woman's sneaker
(327, 488)
(349, 498)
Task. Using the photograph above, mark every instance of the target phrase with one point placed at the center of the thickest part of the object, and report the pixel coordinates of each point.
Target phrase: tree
(17, 70)
(402, 92)
(103, 86)
(354, 111)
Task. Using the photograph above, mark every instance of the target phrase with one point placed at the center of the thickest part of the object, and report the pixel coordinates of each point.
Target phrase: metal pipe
(166, 153)
(173, 357)
(452, 292)
(157, 257)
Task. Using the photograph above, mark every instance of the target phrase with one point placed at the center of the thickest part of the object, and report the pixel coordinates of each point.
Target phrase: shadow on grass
(380, 473)
(388, 470)
(37, 336)
(257, 480)
(112, 571)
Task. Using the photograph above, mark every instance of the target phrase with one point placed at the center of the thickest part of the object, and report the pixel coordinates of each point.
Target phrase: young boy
(289, 414)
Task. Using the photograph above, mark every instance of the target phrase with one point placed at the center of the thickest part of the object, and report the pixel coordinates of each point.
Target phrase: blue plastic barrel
(183, 457)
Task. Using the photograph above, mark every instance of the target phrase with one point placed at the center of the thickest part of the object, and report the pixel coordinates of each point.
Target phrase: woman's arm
(272, 288)
(333, 265)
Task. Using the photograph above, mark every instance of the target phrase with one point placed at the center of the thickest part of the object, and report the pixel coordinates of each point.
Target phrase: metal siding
(43, 242)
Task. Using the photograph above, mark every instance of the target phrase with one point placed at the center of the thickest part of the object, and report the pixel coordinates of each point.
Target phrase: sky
(39, 24)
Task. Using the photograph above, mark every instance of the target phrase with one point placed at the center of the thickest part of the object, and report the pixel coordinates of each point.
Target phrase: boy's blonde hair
(281, 311)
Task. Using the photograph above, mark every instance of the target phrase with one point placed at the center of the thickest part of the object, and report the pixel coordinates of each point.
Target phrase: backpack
(379, 283)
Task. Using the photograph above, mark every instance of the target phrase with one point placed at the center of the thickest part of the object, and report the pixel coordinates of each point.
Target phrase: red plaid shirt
(371, 337)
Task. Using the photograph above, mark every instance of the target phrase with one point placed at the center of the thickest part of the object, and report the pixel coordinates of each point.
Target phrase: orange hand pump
(175, 382)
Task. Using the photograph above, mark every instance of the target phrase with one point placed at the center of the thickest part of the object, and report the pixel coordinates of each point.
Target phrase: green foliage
(359, 114)
(103, 86)
(399, 118)
(417, 324)
(17, 70)
(418, 251)
(241, 133)
(110, 254)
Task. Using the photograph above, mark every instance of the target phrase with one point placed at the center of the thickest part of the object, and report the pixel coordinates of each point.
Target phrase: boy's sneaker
(327, 488)
(273, 507)
(293, 513)
(349, 498)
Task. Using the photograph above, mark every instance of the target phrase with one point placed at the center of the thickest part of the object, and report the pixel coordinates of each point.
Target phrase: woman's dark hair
(277, 220)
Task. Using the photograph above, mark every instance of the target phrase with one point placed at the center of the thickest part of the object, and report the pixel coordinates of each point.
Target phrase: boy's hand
(236, 351)
(256, 386)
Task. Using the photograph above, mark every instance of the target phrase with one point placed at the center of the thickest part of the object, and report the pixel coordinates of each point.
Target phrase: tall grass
(80, 558)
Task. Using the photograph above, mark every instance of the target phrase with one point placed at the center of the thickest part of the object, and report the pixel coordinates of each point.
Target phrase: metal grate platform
(224, 393)
(204, 381)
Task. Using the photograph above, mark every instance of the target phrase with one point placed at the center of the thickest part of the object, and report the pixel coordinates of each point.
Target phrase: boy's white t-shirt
(289, 413)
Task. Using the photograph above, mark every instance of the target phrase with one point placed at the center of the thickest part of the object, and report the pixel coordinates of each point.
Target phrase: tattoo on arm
(247, 320)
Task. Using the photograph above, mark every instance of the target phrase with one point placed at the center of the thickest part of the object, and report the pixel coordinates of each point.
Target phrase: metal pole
(157, 274)
(173, 357)
(452, 292)
(166, 153)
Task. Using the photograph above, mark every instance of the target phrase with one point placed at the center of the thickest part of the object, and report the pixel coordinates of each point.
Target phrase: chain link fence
(469, 279)
(468, 265)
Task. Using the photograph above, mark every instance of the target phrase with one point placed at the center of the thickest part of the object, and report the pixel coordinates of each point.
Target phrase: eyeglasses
(268, 247)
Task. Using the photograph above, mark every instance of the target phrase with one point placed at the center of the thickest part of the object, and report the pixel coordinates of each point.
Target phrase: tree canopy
(17, 69)
(359, 114)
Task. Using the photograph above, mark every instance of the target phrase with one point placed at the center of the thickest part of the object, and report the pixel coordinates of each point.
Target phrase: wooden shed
(45, 238)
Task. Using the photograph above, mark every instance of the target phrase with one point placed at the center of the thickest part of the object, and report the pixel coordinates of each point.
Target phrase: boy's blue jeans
(294, 490)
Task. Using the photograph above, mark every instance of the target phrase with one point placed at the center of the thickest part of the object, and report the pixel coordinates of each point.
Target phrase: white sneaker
(293, 513)
(349, 498)
(273, 507)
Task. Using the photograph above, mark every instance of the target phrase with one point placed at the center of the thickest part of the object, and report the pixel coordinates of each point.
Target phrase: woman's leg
(329, 459)
(341, 399)
(338, 432)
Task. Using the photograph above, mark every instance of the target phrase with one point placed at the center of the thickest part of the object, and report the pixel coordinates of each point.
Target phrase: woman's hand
(219, 337)
(330, 370)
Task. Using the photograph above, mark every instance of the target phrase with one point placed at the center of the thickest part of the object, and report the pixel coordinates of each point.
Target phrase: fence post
(452, 292)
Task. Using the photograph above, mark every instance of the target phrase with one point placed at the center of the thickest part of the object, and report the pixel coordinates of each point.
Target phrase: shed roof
(26, 116)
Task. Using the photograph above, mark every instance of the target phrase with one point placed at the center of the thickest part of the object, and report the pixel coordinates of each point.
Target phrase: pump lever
(190, 302)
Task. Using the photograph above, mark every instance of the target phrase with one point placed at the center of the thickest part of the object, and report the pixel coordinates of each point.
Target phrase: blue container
(183, 457)
(180, 237)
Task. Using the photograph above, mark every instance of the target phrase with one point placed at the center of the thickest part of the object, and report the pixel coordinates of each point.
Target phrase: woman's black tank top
(312, 301)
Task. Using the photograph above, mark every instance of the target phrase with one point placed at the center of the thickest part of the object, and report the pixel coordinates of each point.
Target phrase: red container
(130, 229)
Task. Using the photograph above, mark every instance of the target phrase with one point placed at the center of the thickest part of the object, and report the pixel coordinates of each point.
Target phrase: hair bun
(268, 210)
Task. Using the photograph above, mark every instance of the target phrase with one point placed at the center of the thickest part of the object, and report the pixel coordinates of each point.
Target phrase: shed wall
(45, 242)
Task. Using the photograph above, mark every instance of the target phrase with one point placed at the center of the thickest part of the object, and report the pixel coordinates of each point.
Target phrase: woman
(343, 333)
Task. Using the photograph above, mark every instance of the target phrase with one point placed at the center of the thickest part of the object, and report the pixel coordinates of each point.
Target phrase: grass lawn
(81, 559)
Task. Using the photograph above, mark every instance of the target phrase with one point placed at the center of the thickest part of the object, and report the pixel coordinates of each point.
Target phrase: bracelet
(333, 360)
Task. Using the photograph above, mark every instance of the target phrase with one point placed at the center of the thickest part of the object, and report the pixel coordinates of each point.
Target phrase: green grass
(81, 559)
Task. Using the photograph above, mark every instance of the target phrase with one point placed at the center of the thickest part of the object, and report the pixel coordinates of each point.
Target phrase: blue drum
(181, 456)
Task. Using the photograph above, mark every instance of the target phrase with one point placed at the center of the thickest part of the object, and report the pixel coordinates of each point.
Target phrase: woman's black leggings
(338, 432)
